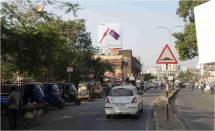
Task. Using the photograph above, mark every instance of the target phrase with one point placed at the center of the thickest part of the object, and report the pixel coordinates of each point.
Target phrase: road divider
(166, 120)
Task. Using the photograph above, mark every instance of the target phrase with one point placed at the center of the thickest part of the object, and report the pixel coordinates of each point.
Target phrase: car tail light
(107, 100)
(134, 100)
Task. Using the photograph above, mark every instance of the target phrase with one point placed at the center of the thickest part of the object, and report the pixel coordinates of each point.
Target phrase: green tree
(188, 77)
(40, 43)
(186, 42)
(148, 76)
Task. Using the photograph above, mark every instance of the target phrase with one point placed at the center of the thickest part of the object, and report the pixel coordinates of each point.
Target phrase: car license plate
(120, 106)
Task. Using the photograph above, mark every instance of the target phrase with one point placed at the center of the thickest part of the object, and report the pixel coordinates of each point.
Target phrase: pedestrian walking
(201, 87)
(204, 87)
(192, 86)
(14, 104)
(212, 89)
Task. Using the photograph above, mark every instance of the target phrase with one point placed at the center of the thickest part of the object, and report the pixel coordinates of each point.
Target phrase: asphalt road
(195, 109)
(91, 116)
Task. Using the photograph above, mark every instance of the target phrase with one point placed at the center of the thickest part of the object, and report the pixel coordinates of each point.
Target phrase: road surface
(195, 109)
(91, 116)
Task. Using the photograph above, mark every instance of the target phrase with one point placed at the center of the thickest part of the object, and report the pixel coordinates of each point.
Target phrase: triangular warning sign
(167, 57)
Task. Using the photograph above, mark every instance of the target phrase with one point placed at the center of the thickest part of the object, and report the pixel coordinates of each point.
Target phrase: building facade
(124, 64)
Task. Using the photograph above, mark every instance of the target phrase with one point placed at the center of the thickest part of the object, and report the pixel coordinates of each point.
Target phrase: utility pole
(122, 69)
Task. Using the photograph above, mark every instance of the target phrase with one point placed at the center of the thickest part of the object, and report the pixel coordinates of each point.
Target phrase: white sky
(139, 20)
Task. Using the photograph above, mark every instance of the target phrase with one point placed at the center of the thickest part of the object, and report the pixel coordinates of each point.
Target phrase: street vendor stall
(33, 106)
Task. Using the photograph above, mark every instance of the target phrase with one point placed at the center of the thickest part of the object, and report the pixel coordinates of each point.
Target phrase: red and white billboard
(110, 35)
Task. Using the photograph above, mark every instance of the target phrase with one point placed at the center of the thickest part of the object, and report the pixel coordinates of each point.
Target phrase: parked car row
(53, 94)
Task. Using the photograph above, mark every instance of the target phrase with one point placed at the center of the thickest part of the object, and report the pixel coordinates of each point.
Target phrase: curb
(156, 122)
(171, 97)
(177, 117)
(155, 115)
(147, 124)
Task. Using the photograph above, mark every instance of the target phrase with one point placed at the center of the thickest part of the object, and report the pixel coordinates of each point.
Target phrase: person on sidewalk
(201, 87)
(14, 101)
(204, 87)
(191, 86)
(212, 90)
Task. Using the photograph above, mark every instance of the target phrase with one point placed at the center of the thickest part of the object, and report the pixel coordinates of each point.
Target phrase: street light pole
(170, 33)
(170, 40)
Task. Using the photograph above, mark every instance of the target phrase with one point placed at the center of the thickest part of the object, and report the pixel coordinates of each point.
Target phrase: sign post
(167, 57)
(69, 69)
(167, 81)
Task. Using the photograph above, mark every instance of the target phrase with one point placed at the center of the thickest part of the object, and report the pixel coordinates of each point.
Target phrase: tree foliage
(186, 42)
(148, 76)
(188, 77)
(42, 44)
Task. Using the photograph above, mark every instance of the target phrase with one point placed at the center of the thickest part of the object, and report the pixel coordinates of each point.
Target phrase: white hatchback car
(124, 100)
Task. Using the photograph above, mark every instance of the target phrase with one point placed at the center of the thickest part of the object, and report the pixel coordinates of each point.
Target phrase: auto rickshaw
(70, 93)
(53, 95)
(4, 103)
(86, 90)
(33, 93)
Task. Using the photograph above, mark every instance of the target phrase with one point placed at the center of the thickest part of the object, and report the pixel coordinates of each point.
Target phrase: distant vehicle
(124, 100)
(128, 84)
(151, 84)
(53, 95)
(138, 84)
(70, 93)
(98, 89)
(181, 85)
(145, 86)
(86, 90)
(157, 85)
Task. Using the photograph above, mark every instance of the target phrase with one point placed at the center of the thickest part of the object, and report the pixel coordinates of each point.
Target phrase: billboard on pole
(205, 31)
(110, 35)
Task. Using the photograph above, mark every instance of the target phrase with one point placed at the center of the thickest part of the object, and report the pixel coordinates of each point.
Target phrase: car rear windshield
(121, 92)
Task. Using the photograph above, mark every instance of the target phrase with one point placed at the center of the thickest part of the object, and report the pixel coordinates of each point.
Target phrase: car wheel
(78, 102)
(137, 115)
(107, 116)
(60, 105)
(141, 110)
